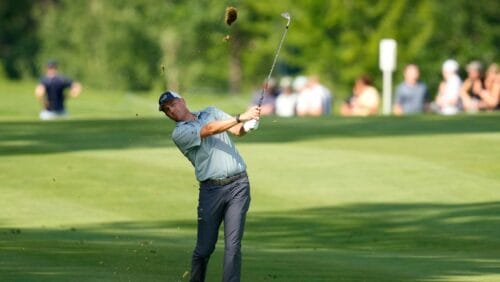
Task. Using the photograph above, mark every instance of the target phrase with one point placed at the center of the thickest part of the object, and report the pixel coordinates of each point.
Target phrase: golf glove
(252, 124)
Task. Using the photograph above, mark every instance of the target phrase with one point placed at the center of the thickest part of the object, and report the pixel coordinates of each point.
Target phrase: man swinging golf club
(224, 193)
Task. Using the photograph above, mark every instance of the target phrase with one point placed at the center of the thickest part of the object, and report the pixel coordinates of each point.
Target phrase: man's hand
(251, 114)
(252, 124)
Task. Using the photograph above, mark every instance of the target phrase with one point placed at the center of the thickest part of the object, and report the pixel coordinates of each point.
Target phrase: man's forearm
(217, 127)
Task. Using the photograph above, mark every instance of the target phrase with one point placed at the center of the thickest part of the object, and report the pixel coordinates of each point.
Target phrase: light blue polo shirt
(213, 157)
(411, 97)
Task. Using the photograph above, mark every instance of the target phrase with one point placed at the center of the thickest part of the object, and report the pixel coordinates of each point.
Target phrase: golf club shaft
(274, 63)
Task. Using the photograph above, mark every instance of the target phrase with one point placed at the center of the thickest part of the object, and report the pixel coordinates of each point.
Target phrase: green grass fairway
(106, 196)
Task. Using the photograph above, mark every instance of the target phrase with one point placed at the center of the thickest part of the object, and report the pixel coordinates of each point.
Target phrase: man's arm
(397, 110)
(231, 125)
(40, 94)
(75, 90)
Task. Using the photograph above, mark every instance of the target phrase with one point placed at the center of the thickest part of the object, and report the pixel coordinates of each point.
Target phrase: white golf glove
(252, 124)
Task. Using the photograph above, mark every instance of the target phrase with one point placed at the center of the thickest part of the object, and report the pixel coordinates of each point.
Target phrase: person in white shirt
(287, 99)
(447, 101)
(314, 100)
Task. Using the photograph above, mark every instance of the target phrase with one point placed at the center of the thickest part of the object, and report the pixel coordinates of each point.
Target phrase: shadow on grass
(359, 242)
(75, 135)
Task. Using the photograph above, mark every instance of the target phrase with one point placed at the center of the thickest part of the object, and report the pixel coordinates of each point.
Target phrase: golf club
(287, 16)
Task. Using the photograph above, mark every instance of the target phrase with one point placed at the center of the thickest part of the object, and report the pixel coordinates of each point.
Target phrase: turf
(105, 196)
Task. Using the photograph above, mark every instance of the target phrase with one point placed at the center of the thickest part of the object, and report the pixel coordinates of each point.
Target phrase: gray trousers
(217, 203)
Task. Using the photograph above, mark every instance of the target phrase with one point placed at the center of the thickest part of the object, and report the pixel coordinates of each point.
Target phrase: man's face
(411, 74)
(175, 109)
(474, 74)
(51, 71)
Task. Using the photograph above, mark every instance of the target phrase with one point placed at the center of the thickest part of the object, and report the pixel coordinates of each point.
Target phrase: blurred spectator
(473, 86)
(269, 92)
(299, 84)
(323, 92)
(491, 95)
(364, 100)
(312, 100)
(447, 99)
(411, 93)
(287, 99)
(50, 92)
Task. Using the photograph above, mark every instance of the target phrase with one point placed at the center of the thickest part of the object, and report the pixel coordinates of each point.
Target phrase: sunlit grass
(106, 196)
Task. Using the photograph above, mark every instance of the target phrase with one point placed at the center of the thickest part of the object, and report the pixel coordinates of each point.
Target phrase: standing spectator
(411, 93)
(473, 86)
(287, 99)
(50, 92)
(447, 99)
(364, 101)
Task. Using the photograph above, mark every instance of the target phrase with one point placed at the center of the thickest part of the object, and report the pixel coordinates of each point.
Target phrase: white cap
(450, 66)
(299, 82)
(286, 81)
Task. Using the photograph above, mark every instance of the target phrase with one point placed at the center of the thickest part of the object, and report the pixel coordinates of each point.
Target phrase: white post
(387, 92)
(387, 63)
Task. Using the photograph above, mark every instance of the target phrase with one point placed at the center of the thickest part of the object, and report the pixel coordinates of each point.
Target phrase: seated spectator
(287, 99)
(315, 99)
(447, 99)
(364, 101)
(309, 101)
(270, 92)
(411, 93)
(473, 86)
(325, 94)
(299, 84)
(490, 97)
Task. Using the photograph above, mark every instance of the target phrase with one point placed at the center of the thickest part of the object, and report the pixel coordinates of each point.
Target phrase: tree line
(185, 45)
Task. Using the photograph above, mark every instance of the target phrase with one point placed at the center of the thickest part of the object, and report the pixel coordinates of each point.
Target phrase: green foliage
(18, 38)
(104, 43)
(123, 44)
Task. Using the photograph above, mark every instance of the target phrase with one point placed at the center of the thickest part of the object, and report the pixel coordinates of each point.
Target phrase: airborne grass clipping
(231, 15)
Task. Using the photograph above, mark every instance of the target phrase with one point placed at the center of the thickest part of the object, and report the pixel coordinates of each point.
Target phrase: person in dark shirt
(50, 92)
(411, 93)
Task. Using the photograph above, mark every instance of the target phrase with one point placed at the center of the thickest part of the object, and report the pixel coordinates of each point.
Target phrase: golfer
(224, 193)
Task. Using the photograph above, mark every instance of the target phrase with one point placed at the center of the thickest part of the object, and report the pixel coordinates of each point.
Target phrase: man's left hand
(250, 125)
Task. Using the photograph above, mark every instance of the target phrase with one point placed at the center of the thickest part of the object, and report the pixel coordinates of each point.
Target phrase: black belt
(224, 181)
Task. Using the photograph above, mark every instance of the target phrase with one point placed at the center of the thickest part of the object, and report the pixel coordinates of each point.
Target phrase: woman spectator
(490, 96)
(364, 101)
(473, 86)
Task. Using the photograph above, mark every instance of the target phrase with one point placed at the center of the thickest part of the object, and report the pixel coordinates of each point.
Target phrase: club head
(287, 16)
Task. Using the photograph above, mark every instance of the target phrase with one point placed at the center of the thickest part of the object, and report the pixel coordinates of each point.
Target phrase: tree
(123, 43)
(18, 38)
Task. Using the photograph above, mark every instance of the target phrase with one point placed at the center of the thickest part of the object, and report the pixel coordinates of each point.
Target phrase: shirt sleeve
(425, 90)
(369, 99)
(218, 114)
(187, 136)
(399, 94)
(66, 82)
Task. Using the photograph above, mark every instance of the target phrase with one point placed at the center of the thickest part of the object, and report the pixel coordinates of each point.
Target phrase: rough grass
(105, 196)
